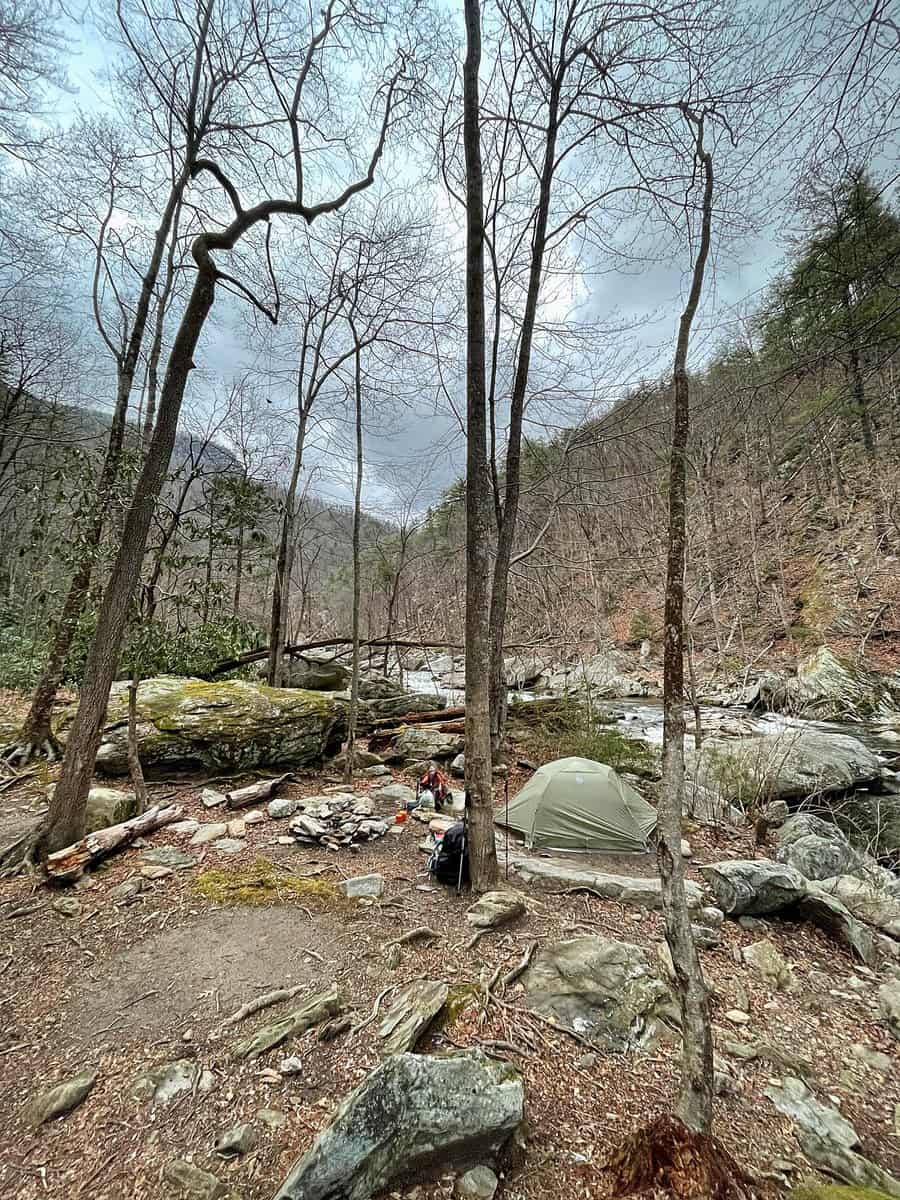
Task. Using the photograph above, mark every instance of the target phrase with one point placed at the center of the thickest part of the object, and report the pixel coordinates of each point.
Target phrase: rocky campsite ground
(130, 975)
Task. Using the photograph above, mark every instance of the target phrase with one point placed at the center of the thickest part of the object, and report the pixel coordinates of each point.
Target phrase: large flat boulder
(828, 687)
(601, 989)
(231, 725)
(788, 765)
(413, 1114)
(638, 890)
(417, 744)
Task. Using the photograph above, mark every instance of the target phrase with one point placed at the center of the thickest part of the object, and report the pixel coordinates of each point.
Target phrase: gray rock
(67, 906)
(753, 886)
(271, 1117)
(706, 938)
(163, 1084)
(127, 890)
(154, 873)
(211, 798)
(376, 772)
(361, 760)
(184, 827)
(872, 1059)
(767, 962)
(228, 845)
(363, 807)
(223, 725)
(291, 1066)
(106, 806)
(776, 813)
(193, 1182)
(458, 766)
(830, 688)
(395, 793)
(209, 833)
(794, 1099)
(237, 828)
(237, 1140)
(495, 908)
(418, 743)
(643, 892)
(847, 1166)
(413, 1113)
(480, 1183)
(61, 1099)
(829, 914)
(816, 857)
(411, 1013)
(254, 817)
(363, 885)
(710, 917)
(866, 901)
(889, 1006)
(168, 856)
(601, 989)
(282, 807)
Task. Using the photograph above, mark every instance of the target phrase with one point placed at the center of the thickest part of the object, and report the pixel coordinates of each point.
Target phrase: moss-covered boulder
(233, 725)
(829, 688)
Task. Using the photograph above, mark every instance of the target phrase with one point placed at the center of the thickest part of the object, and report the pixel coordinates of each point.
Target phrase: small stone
(291, 1066)
(67, 906)
(282, 807)
(209, 833)
(478, 1184)
(254, 817)
(752, 924)
(363, 885)
(192, 1182)
(873, 1059)
(211, 798)
(168, 856)
(156, 872)
(228, 845)
(686, 851)
(237, 1140)
(128, 889)
(375, 772)
(284, 840)
(163, 1084)
(188, 1035)
(769, 964)
(237, 828)
(271, 1118)
(495, 908)
(189, 826)
(61, 1099)
(587, 1062)
(737, 1017)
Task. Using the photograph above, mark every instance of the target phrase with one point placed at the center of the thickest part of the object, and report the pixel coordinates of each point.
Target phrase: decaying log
(71, 860)
(255, 793)
(422, 718)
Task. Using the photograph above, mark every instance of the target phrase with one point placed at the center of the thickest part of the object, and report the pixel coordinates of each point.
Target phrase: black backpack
(450, 856)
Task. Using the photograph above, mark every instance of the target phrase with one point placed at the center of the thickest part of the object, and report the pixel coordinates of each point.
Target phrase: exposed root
(20, 754)
(667, 1158)
(25, 853)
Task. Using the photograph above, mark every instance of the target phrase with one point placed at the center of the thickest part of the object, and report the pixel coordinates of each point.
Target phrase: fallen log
(71, 860)
(255, 793)
(423, 718)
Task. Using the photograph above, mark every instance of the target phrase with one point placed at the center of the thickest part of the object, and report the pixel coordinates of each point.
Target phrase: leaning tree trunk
(696, 1094)
(66, 819)
(284, 562)
(354, 631)
(479, 788)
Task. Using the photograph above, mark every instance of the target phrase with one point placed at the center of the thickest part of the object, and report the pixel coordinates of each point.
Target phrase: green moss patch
(834, 1191)
(263, 884)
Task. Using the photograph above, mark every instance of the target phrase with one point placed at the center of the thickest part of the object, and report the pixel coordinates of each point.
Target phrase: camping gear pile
(337, 821)
(578, 804)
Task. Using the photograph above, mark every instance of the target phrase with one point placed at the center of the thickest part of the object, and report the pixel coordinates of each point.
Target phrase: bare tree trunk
(281, 588)
(861, 404)
(134, 762)
(354, 624)
(479, 789)
(696, 1094)
(66, 818)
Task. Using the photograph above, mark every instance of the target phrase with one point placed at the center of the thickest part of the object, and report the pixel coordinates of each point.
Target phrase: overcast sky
(643, 304)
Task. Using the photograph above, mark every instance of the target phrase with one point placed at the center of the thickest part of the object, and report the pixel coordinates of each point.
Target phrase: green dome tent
(577, 804)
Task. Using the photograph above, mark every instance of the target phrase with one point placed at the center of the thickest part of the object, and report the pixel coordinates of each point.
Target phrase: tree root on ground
(667, 1158)
(25, 853)
(21, 753)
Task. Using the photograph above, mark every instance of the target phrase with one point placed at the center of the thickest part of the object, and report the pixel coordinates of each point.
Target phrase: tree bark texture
(353, 714)
(696, 1093)
(479, 786)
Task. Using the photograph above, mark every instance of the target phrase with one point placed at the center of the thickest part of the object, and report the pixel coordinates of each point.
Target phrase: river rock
(418, 743)
(791, 765)
(127, 890)
(61, 1099)
(185, 828)
(828, 688)
(608, 674)
(363, 885)
(413, 1113)
(231, 725)
(767, 961)
(314, 671)
(411, 1013)
(404, 704)
(889, 1006)
(819, 849)
(67, 906)
(210, 798)
(601, 989)
(282, 807)
(638, 890)
(495, 908)
(193, 1182)
(228, 845)
(237, 1140)
(478, 1184)
(361, 760)
(753, 886)
(458, 766)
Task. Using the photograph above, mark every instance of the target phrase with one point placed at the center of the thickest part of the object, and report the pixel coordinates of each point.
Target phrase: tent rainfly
(578, 804)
